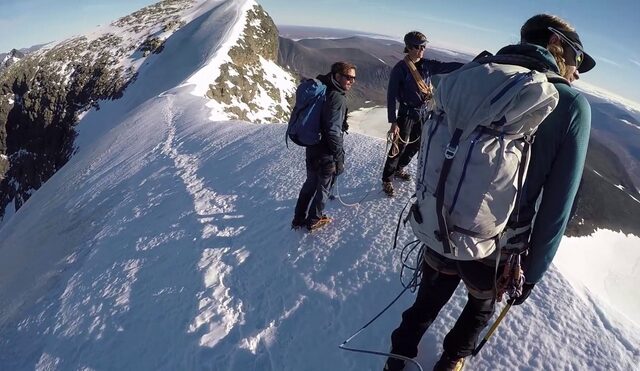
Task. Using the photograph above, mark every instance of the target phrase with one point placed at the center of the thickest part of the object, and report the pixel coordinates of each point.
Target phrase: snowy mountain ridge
(164, 243)
(43, 96)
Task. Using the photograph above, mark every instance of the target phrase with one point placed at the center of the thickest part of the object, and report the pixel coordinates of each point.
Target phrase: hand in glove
(515, 238)
(526, 291)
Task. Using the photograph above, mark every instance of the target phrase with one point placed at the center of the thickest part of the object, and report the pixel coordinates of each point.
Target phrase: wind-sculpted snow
(175, 252)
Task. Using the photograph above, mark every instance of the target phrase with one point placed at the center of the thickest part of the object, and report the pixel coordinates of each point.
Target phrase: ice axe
(511, 282)
(492, 329)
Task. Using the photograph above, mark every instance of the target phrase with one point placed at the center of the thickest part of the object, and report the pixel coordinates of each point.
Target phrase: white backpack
(474, 154)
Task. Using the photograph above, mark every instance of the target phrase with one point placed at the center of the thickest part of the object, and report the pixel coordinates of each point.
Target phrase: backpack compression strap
(443, 234)
(524, 61)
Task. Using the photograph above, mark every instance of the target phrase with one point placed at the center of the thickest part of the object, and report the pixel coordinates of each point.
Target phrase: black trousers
(410, 131)
(436, 288)
(315, 190)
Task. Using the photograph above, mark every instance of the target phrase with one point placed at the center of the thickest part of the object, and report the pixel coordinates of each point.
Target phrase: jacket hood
(534, 51)
(331, 83)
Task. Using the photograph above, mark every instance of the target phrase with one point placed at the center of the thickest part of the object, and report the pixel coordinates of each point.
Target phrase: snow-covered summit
(164, 243)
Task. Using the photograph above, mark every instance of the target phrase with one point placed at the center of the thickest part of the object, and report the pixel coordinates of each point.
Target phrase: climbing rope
(412, 285)
(357, 204)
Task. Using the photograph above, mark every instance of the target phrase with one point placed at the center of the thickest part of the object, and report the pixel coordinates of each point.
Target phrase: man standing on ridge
(325, 160)
(410, 85)
(554, 173)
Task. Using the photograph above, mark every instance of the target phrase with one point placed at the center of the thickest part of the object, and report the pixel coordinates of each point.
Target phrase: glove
(345, 126)
(526, 291)
(515, 238)
(339, 167)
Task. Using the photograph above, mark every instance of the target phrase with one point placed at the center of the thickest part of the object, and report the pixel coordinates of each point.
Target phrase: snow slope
(165, 244)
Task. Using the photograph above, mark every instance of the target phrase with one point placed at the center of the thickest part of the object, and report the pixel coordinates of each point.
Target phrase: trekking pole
(492, 329)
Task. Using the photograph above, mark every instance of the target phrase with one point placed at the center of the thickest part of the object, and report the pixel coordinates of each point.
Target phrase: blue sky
(608, 28)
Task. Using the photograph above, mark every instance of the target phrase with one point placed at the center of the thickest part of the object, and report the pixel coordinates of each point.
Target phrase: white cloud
(608, 61)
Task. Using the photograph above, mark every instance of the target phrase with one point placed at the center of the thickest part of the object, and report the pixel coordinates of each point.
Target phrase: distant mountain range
(310, 51)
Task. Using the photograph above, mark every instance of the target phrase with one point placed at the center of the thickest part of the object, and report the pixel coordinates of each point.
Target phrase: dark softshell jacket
(403, 87)
(332, 119)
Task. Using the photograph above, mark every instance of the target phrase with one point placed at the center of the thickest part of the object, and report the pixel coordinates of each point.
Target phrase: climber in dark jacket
(406, 125)
(325, 160)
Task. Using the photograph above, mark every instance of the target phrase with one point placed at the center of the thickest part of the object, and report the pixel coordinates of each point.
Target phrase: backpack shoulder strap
(422, 86)
(524, 61)
(483, 54)
(515, 59)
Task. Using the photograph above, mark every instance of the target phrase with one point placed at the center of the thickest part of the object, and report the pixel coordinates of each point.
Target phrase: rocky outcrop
(49, 91)
(243, 82)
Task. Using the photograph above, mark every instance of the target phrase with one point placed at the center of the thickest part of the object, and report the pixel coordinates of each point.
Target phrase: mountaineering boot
(402, 175)
(393, 364)
(298, 223)
(387, 187)
(313, 225)
(447, 363)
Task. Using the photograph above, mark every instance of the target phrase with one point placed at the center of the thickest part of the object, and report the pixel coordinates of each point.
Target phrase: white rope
(395, 148)
(335, 183)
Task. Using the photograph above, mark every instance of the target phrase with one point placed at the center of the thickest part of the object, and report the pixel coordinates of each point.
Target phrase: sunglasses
(348, 77)
(576, 48)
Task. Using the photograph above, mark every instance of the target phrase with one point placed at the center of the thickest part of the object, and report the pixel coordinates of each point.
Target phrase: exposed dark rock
(152, 45)
(241, 80)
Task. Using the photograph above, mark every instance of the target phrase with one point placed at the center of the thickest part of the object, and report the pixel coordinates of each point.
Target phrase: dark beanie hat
(414, 38)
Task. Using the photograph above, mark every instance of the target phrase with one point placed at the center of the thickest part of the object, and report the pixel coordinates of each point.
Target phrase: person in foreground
(325, 160)
(554, 173)
(410, 85)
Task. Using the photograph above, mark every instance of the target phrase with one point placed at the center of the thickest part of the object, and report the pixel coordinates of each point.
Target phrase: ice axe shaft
(492, 329)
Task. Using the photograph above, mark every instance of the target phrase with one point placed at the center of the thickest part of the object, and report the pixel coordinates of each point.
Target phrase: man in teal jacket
(554, 173)
(559, 150)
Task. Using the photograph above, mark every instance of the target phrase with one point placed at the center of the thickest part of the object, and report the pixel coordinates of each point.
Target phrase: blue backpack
(304, 123)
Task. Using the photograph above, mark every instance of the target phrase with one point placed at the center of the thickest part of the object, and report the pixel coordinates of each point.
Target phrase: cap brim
(587, 64)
